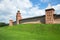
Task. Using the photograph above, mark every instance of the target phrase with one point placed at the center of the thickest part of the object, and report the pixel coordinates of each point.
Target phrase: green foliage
(3, 24)
(31, 32)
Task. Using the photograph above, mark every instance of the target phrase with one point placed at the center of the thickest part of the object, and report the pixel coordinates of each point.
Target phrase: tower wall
(10, 22)
(18, 17)
(49, 18)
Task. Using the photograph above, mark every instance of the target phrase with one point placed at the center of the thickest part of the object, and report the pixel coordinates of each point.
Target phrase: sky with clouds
(28, 8)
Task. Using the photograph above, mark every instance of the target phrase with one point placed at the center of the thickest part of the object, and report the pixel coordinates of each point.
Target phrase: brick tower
(18, 17)
(49, 18)
(10, 22)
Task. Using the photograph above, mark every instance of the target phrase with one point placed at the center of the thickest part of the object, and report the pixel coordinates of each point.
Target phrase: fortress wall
(32, 20)
(57, 21)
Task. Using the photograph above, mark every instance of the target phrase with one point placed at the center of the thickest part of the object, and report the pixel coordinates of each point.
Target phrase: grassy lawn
(30, 32)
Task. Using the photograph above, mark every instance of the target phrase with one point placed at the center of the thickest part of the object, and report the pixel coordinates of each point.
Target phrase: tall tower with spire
(18, 17)
(49, 18)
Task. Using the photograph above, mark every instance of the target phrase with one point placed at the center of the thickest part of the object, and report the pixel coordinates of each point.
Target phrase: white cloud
(57, 9)
(9, 8)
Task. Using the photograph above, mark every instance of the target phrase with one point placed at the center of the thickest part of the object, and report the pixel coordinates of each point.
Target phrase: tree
(2, 24)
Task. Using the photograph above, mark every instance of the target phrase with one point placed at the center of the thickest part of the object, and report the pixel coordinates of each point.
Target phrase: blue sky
(28, 8)
(44, 3)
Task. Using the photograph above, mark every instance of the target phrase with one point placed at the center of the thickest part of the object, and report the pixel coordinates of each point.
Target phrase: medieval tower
(49, 16)
(18, 17)
(10, 22)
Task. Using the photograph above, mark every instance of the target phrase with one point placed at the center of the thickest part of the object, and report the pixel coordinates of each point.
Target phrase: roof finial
(18, 9)
(49, 6)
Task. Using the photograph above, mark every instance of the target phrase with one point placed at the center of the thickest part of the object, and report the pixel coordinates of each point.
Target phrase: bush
(3, 24)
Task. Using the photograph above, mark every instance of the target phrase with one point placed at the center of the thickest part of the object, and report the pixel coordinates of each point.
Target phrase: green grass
(30, 32)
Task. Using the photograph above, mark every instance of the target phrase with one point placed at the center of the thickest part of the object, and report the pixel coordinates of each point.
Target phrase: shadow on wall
(42, 20)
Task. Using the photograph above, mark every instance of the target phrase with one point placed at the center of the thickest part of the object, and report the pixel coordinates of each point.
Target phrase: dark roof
(40, 17)
(57, 16)
(50, 9)
(34, 17)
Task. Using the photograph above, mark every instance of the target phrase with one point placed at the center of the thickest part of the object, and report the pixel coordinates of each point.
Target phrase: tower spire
(18, 8)
(49, 6)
